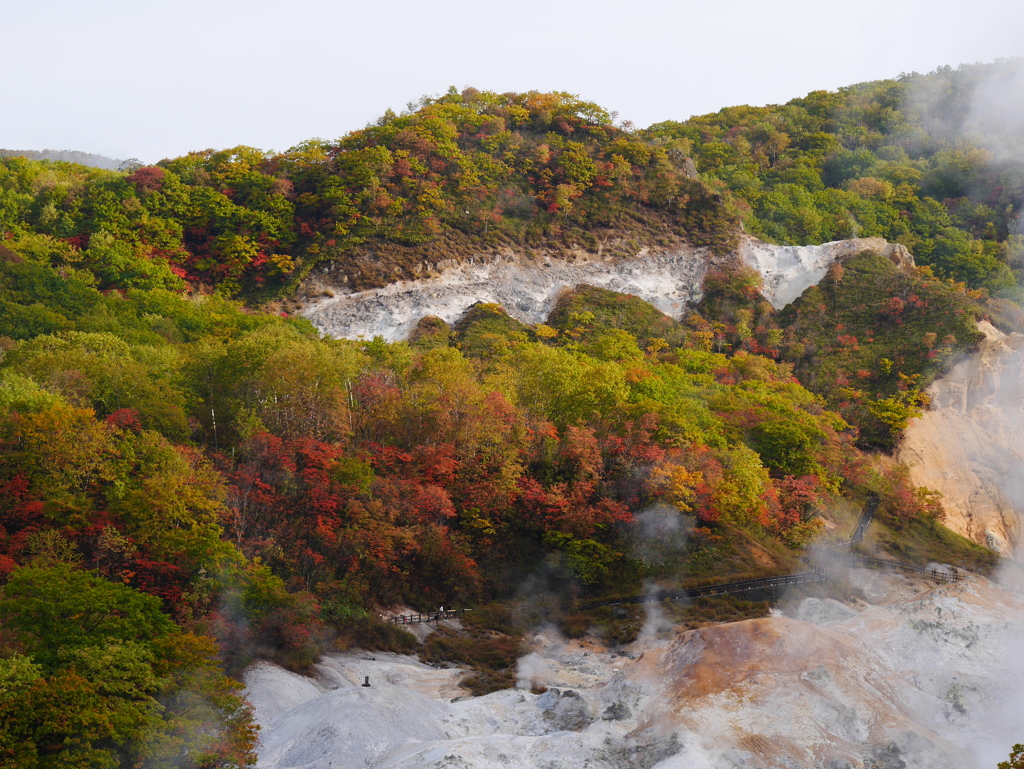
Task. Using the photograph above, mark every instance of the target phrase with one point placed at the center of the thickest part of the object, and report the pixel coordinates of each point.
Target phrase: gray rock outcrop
(528, 288)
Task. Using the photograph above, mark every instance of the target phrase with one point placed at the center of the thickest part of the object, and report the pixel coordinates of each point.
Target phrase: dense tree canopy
(474, 166)
(913, 160)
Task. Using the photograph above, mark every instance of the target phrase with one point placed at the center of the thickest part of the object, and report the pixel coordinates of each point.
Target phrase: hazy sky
(153, 79)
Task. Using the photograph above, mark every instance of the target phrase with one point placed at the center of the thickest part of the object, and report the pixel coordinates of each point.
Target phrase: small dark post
(366, 682)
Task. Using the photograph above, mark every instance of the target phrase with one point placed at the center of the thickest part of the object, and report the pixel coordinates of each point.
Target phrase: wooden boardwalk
(434, 616)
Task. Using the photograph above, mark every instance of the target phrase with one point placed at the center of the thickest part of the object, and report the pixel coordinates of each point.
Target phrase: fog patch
(533, 672)
(996, 115)
(662, 533)
(982, 103)
(1005, 727)
(657, 626)
(541, 596)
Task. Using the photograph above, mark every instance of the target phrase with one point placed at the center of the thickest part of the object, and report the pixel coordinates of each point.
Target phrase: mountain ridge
(73, 156)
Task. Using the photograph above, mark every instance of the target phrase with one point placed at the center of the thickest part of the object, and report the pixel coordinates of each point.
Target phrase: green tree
(108, 680)
(59, 609)
(1016, 760)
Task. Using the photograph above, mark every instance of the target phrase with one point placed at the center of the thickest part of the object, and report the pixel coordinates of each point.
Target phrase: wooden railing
(936, 575)
(774, 583)
(867, 515)
(728, 588)
(433, 616)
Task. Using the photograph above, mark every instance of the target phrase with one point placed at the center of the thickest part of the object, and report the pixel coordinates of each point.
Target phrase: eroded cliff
(969, 445)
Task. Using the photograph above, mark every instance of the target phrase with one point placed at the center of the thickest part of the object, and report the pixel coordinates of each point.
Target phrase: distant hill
(71, 156)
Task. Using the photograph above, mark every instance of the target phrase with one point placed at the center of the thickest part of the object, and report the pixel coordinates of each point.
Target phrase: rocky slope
(969, 444)
(788, 271)
(528, 288)
(911, 677)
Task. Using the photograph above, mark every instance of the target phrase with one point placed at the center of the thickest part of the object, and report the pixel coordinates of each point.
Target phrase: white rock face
(920, 678)
(969, 443)
(528, 290)
(788, 271)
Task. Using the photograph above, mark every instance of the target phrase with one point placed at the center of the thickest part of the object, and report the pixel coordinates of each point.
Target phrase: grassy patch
(715, 610)
(620, 625)
(575, 624)
(372, 634)
(617, 625)
(490, 643)
(924, 540)
(496, 617)
(491, 655)
(722, 552)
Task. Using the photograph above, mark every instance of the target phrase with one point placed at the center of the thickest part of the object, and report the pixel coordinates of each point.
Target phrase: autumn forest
(192, 477)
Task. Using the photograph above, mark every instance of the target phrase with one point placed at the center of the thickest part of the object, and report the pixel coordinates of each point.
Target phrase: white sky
(153, 79)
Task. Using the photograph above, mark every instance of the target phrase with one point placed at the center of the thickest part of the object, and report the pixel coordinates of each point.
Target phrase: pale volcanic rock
(916, 681)
(272, 690)
(527, 288)
(788, 271)
(969, 444)
(824, 612)
(921, 678)
(788, 693)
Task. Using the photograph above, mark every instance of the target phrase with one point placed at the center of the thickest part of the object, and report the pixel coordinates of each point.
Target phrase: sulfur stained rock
(968, 444)
(916, 677)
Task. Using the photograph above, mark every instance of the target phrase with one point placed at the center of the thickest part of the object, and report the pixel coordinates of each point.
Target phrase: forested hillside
(466, 170)
(929, 161)
(189, 481)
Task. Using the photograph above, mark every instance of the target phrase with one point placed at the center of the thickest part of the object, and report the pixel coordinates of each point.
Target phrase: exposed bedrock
(528, 288)
(915, 677)
(969, 445)
(788, 271)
